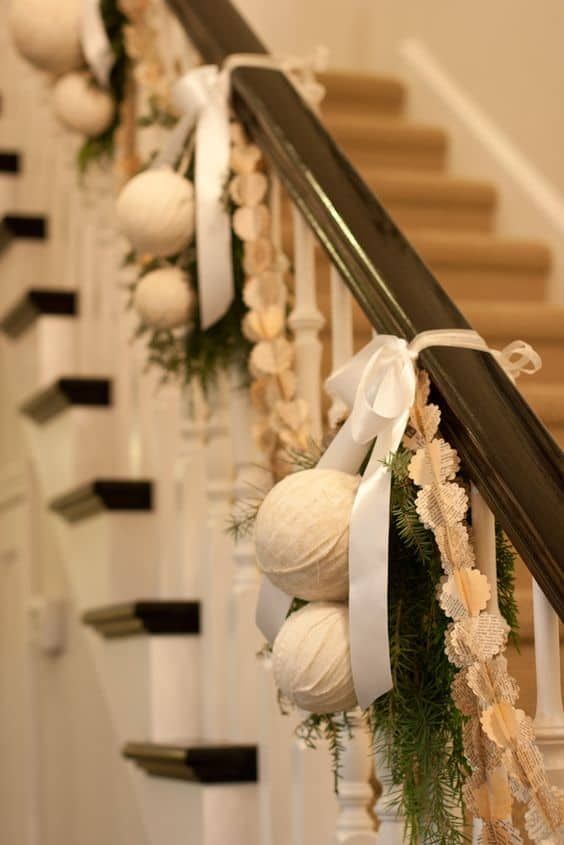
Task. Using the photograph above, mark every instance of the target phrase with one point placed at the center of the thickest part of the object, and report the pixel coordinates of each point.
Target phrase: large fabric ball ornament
(81, 105)
(302, 534)
(47, 33)
(311, 658)
(156, 212)
(163, 298)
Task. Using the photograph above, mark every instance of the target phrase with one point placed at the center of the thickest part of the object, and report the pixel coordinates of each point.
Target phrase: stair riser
(454, 219)
(8, 185)
(283, 759)
(155, 685)
(395, 157)
(113, 557)
(23, 263)
(41, 354)
(75, 446)
(178, 812)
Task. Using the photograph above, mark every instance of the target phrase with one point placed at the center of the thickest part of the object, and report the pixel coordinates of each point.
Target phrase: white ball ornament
(81, 105)
(156, 212)
(302, 534)
(311, 659)
(163, 298)
(47, 33)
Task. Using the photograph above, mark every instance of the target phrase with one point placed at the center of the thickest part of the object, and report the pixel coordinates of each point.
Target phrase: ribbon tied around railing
(379, 384)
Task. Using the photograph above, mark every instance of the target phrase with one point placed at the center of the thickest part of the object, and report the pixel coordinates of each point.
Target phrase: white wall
(506, 53)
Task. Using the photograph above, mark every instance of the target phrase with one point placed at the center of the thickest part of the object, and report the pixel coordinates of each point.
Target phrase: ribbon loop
(95, 43)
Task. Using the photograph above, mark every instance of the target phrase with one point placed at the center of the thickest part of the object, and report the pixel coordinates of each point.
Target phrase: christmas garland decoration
(499, 739)
(98, 53)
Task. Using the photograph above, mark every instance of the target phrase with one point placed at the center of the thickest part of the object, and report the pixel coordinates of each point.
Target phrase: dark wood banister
(507, 451)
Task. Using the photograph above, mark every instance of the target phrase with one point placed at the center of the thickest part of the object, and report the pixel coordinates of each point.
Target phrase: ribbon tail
(368, 570)
(272, 609)
(368, 589)
(213, 224)
(95, 42)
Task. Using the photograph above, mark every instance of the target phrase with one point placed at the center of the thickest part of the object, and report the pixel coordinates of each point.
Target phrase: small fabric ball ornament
(82, 105)
(302, 534)
(311, 659)
(47, 33)
(163, 298)
(156, 212)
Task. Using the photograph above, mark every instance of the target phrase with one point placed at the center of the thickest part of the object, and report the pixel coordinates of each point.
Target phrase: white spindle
(244, 638)
(217, 571)
(306, 321)
(354, 824)
(549, 718)
(391, 830)
(342, 335)
(483, 535)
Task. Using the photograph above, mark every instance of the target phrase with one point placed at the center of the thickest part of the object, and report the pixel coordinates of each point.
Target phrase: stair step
(347, 91)
(104, 495)
(431, 201)
(25, 226)
(485, 267)
(374, 142)
(65, 393)
(198, 762)
(541, 325)
(547, 401)
(37, 302)
(145, 617)
(10, 162)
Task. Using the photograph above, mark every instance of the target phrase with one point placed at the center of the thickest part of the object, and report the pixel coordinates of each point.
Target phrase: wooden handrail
(508, 453)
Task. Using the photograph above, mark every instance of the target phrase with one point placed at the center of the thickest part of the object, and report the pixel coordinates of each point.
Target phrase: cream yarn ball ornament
(302, 534)
(311, 659)
(156, 212)
(163, 298)
(81, 105)
(47, 33)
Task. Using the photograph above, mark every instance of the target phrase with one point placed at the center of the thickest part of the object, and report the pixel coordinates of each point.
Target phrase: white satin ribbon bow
(202, 96)
(95, 43)
(379, 384)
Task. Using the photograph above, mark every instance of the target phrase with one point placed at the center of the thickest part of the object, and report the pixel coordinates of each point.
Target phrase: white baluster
(354, 825)
(391, 830)
(342, 335)
(306, 321)
(244, 637)
(217, 572)
(549, 718)
(483, 536)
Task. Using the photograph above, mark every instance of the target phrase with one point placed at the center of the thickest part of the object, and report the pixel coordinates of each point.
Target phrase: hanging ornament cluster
(283, 418)
(499, 739)
(302, 547)
(50, 35)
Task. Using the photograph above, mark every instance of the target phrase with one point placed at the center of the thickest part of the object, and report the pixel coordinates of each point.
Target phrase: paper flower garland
(283, 418)
(498, 738)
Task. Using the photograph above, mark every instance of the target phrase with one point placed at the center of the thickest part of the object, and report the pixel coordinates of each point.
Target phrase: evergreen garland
(416, 728)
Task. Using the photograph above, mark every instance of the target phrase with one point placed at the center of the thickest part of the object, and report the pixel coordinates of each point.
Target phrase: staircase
(499, 284)
(158, 630)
